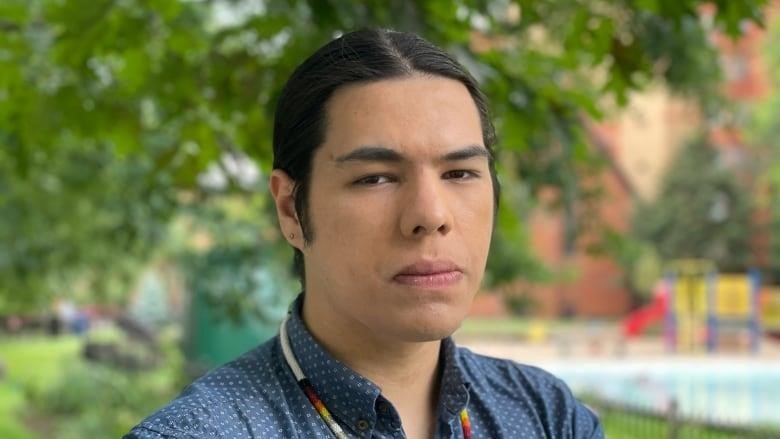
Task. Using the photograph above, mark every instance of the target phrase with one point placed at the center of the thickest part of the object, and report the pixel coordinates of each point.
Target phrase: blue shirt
(256, 396)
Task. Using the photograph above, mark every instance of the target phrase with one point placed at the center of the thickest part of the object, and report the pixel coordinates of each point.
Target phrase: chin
(437, 336)
(423, 331)
(423, 322)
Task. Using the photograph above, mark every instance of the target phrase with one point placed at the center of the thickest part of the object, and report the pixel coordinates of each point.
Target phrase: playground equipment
(700, 308)
(770, 312)
(734, 309)
(638, 321)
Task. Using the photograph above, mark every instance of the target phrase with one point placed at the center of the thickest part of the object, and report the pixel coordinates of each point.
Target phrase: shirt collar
(349, 396)
(454, 393)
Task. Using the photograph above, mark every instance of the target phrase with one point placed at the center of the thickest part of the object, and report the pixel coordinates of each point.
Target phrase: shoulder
(502, 373)
(531, 392)
(224, 402)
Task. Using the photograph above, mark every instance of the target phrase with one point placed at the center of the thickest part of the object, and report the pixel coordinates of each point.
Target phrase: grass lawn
(29, 360)
(11, 399)
(525, 327)
(630, 426)
(511, 327)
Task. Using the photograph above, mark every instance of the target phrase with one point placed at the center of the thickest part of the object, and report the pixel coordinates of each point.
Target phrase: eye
(372, 180)
(460, 174)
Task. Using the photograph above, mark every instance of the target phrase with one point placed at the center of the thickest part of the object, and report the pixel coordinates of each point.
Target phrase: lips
(429, 274)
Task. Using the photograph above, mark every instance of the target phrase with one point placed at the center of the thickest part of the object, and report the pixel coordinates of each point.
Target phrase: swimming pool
(737, 391)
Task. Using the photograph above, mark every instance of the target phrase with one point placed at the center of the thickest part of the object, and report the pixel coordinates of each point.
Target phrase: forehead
(418, 114)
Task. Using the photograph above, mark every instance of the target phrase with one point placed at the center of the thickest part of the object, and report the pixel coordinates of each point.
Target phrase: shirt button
(362, 425)
(384, 408)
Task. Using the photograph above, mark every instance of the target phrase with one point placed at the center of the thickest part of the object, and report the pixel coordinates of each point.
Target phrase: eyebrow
(469, 152)
(388, 155)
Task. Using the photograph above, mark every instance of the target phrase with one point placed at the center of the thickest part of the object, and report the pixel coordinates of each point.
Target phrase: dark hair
(362, 56)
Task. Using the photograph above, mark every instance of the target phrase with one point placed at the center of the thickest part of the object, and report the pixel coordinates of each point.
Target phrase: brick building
(639, 145)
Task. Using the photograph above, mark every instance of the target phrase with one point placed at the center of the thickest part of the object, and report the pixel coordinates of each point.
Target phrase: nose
(425, 209)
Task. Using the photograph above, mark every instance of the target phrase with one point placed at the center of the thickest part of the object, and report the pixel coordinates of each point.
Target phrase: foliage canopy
(702, 212)
(111, 109)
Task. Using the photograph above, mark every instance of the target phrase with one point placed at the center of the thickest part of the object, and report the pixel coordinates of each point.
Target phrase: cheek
(350, 222)
(351, 229)
(478, 210)
(477, 222)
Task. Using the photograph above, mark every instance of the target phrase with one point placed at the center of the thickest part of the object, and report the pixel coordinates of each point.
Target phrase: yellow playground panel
(733, 296)
(770, 310)
(691, 295)
(690, 312)
(706, 305)
(686, 319)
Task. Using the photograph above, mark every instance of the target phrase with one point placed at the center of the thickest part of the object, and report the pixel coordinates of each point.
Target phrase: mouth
(429, 274)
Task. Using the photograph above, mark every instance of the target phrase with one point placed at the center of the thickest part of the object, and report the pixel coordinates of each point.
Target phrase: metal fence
(623, 420)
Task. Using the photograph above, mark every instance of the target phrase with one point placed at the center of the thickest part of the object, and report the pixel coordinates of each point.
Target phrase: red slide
(636, 322)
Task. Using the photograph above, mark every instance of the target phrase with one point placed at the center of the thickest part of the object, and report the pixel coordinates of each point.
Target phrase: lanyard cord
(305, 385)
(319, 406)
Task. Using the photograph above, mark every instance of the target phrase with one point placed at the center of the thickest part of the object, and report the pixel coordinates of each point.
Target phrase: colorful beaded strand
(465, 423)
(315, 400)
(305, 384)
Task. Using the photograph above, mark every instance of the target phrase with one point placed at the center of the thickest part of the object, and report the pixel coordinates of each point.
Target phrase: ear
(282, 187)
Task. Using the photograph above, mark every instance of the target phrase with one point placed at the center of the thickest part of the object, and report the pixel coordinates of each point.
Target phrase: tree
(701, 212)
(762, 132)
(78, 218)
(136, 98)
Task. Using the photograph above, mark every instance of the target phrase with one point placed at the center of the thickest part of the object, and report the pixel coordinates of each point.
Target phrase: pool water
(732, 391)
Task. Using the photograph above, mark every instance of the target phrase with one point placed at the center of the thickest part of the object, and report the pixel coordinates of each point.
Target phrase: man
(384, 184)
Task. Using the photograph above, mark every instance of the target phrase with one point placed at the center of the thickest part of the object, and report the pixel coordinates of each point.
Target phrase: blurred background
(636, 253)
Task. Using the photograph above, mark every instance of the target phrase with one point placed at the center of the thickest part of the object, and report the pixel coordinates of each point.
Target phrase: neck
(408, 373)
(384, 361)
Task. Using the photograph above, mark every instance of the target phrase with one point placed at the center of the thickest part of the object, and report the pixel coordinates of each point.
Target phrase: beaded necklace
(319, 406)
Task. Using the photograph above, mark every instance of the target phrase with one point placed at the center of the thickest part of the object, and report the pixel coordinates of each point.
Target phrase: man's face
(401, 207)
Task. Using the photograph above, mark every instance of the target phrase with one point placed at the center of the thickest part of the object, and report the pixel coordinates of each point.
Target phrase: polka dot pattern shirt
(256, 396)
